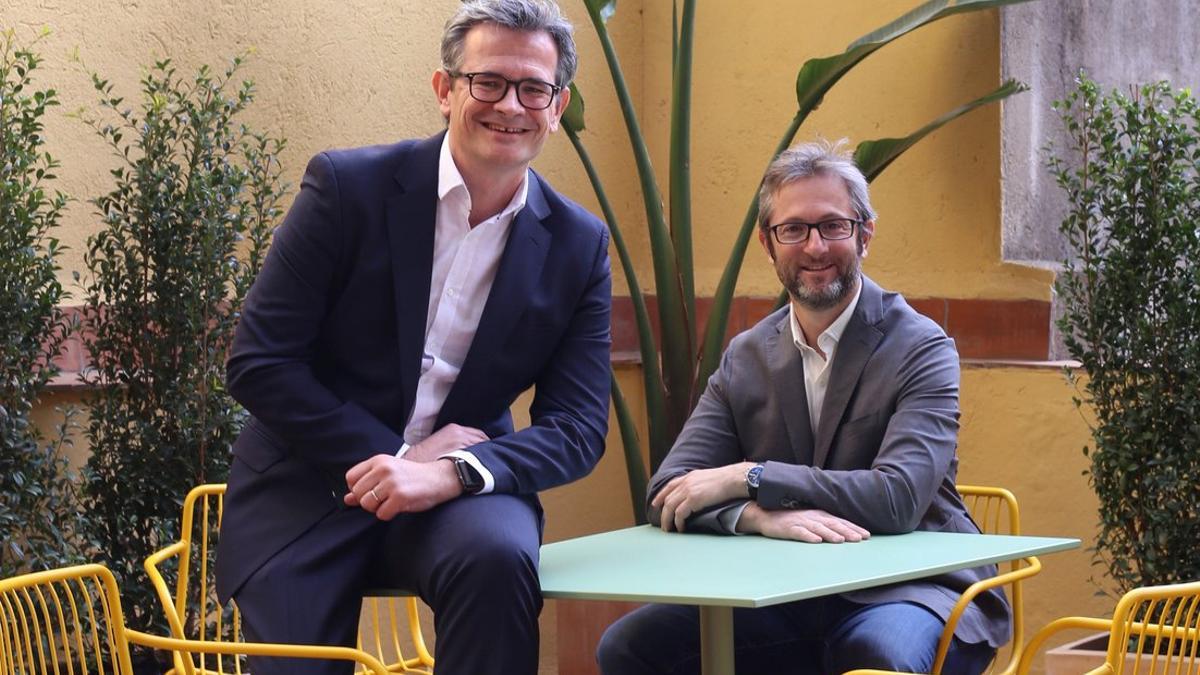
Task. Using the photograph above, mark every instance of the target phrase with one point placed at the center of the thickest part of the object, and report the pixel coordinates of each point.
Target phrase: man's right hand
(444, 441)
(809, 525)
(387, 485)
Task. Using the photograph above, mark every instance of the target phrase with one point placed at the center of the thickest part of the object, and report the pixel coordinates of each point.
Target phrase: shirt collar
(835, 329)
(451, 180)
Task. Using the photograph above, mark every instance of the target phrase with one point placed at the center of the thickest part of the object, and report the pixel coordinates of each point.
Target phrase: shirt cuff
(404, 447)
(730, 516)
(489, 481)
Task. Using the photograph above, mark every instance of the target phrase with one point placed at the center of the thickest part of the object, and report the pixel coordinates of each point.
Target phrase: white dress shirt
(816, 367)
(465, 260)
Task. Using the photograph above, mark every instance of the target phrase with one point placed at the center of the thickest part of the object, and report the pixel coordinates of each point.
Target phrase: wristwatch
(471, 481)
(753, 478)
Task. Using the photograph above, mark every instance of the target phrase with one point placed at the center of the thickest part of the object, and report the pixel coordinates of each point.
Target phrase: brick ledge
(989, 333)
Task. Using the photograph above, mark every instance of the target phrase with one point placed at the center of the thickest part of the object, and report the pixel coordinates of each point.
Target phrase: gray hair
(805, 160)
(523, 15)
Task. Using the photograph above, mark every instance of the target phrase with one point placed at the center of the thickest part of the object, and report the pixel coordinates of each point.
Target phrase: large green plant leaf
(872, 157)
(634, 467)
(601, 9)
(817, 76)
(681, 163)
(651, 372)
(572, 118)
(677, 333)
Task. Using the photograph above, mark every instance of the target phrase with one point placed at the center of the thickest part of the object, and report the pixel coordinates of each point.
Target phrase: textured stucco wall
(328, 74)
(1020, 430)
(1046, 44)
(347, 73)
(939, 228)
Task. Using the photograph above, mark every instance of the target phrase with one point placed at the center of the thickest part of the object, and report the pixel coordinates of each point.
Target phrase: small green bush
(37, 494)
(183, 233)
(1132, 317)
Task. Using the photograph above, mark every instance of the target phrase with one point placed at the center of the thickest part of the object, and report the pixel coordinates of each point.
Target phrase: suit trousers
(473, 560)
(822, 636)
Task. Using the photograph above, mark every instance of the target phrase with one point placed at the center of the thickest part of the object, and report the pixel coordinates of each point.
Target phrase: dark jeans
(819, 636)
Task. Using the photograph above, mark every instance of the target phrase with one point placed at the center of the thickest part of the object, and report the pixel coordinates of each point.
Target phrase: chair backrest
(70, 621)
(1156, 629)
(62, 621)
(995, 511)
(194, 612)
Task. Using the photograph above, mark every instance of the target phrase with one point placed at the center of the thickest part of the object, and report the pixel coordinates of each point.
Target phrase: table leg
(716, 640)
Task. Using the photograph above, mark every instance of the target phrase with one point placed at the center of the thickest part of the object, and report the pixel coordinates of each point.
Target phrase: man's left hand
(697, 490)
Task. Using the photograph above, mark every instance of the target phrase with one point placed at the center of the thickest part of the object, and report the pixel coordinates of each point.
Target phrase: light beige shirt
(465, 260)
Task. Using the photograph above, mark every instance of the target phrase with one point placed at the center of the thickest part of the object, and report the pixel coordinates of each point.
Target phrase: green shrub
(183, 233)
(37, 494)
(1132, 316)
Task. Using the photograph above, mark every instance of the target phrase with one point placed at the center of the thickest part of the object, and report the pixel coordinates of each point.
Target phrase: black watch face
(753, 476)
(471, 481)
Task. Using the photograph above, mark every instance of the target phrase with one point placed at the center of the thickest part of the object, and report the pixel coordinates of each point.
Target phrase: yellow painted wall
(328, 74)
(356, 71)
(939, 223)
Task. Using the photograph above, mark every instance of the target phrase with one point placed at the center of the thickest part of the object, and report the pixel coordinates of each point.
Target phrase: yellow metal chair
(1154, 629)
(995, 511)
(193, 610)
(70, 620)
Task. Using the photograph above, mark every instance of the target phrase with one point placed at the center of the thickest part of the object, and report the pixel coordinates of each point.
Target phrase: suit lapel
(411, 222)
(787, 373)
(516, 283)
(858, 342)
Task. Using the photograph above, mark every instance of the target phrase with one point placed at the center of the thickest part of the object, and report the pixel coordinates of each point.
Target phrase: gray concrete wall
(1045, 44)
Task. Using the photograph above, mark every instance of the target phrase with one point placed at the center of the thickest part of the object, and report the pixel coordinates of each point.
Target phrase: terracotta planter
(580, 623)
(1087, 653)
(1077, 657)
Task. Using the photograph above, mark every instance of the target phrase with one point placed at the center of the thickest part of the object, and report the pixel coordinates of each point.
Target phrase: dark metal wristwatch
(471, 481)
(753, 477)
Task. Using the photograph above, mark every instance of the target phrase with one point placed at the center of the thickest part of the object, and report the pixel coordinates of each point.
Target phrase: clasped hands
(699, 489)
(387, 485)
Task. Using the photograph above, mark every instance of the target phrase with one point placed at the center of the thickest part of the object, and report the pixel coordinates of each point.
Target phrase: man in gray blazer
(833, 418)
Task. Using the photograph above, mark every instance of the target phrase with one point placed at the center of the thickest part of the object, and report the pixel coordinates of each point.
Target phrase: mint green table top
(645, 564)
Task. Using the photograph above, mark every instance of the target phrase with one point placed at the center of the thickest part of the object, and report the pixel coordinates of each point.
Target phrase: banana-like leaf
(602, 9)
(718, 317)
(656, 406)
(634, 467)
(872, 157)
(572, 119)
(924, 14)
(817, 76)
(681, 164)
(676, 329)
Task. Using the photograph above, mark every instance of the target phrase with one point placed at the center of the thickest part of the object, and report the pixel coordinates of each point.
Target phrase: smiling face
(820, 275)
(496, 141)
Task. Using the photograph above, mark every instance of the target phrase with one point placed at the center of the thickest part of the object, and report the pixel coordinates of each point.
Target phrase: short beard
(831, 295)
(828, 297)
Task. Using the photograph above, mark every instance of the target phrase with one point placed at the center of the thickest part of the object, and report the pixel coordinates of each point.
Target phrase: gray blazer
(884, 455)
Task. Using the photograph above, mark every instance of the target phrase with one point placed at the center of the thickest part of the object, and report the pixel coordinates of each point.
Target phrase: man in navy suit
(412, 293)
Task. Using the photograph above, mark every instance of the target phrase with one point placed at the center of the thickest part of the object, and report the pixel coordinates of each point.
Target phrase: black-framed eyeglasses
(486, 87)
(796, 232)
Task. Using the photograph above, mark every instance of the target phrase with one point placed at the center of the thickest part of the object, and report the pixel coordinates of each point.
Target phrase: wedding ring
(372, 493)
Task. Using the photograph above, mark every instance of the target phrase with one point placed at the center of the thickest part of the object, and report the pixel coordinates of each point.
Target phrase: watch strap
(472, 482)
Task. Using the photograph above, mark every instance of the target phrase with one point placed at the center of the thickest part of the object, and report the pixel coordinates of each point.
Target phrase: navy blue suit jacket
(328, 350)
